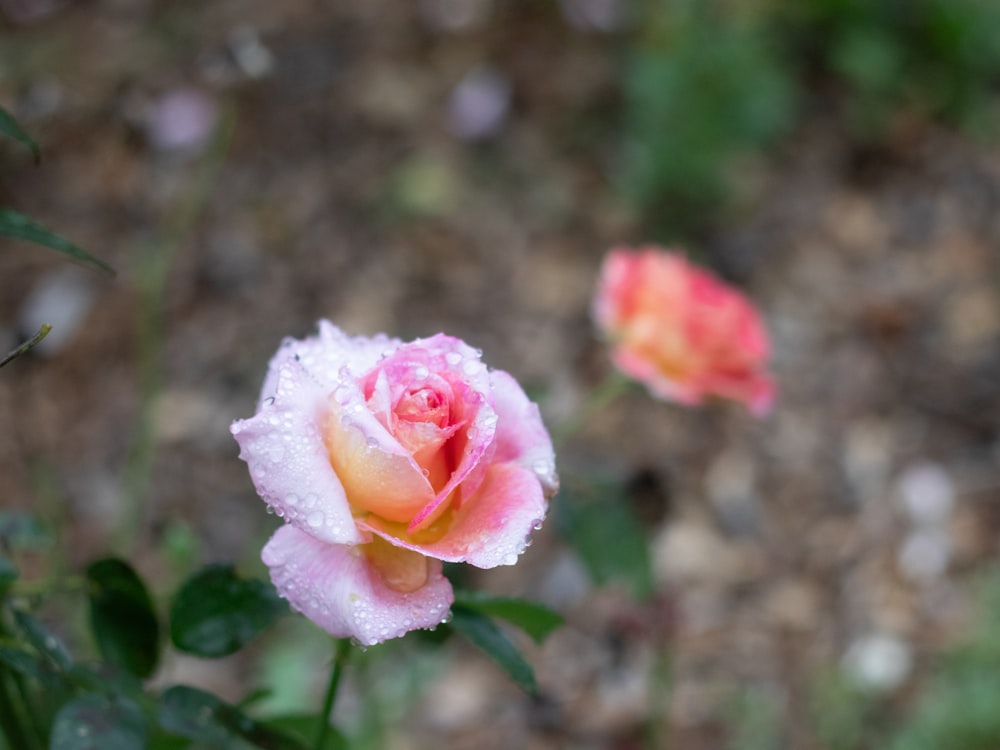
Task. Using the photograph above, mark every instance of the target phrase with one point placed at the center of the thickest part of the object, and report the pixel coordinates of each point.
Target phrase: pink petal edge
(288, 460)
(335, 587)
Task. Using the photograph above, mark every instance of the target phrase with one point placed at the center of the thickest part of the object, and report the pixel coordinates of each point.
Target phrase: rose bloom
(386, 458)
(681, 331)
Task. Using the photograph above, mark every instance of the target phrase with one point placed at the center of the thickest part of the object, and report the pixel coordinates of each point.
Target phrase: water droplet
(452, 358)
(471, 367)
(315, 519)
(372, 442)
(421, 373)
(510, 559)
(270, 509)
(291, 499)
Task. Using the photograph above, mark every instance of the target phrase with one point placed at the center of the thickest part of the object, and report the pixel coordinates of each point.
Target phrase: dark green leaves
(122, 617)
(10, 128)
(484, 633)
(21, 227)
(202, 717)
(536, 620)
(215, 612)
(600, 524)
(99, 722)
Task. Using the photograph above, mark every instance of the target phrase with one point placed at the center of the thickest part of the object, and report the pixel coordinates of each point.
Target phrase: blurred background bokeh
(821, 579)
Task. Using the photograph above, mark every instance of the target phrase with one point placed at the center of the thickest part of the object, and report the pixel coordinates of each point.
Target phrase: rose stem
(339, 658)
(614, 385)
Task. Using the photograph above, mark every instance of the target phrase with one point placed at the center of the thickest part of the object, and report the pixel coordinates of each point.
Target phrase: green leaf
(21, 227)
(10, 127)
(216, 613)
(28, 345)
(122, 618)
(8, 573)
(303, 726)
(485, 634)
(30, 664)
(536, 620)
(43, 640)
(600, 524)
(202, 717)
(99, 722)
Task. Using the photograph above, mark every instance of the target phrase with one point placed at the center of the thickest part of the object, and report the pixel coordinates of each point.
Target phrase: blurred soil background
(463, 166)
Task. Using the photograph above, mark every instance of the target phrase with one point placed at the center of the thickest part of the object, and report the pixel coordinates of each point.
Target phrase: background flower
(682, 331)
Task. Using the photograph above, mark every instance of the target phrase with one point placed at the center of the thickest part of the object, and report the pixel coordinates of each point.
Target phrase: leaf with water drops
(99, 722)
(485, 634)
(215, 612)
(536, 620)
(211, 722)
(122, 618)
(47, 643)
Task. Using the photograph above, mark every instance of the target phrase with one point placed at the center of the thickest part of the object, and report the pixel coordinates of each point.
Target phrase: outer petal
(492, 527)
(326, 354)
(521, 436)
(335, 587)
(288, 461)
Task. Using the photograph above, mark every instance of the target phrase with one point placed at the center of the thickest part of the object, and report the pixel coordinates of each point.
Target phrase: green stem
(613, 386)
(339, 659)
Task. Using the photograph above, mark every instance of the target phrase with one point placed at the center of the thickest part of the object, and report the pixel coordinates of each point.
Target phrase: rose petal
(326, 354)
(377, 474)
(521, 436)
(337, 588)
(491, 528)
(288, 460)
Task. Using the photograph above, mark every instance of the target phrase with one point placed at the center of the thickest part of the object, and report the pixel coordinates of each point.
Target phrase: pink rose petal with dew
(288, 460)
(338, 588)
(326, 355)
(521, 436)
(491, 528)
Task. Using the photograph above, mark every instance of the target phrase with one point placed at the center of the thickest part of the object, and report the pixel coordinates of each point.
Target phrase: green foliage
(200, 716)
(21, 227)
(10, 128)
(99, 722)
(713, 82)
(958, 709)
(534, 619)
(596, 518)
(122, 617)
(703, 89)
(215, 612)
(484, 633)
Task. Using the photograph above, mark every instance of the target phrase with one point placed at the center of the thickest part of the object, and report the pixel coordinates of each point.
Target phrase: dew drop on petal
(315, 519)
(510, 559)
(372, 442)
(452, 358)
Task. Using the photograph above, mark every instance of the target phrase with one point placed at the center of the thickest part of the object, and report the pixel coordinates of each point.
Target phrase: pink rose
(681, 331)
(386, 458)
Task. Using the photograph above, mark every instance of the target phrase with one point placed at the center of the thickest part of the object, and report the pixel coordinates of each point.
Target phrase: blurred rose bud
(681, 331)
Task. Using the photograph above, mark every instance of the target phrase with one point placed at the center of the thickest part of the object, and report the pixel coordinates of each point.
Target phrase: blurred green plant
(20, 227)
(703, 90)
(711, 83)
(958, 706)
